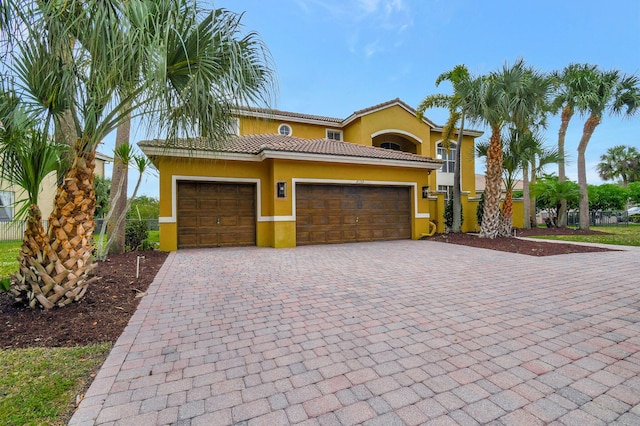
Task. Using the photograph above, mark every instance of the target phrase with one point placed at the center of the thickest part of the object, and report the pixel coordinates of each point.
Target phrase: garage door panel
(207, 205)
(349, 234)
(190, 222)
(188, 205)
(188, 240)
(334, 219)
(332, 213)
(215, 214)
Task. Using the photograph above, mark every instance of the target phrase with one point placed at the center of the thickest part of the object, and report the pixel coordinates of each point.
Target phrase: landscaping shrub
(135, 233)
(634, 218)
(448, 215)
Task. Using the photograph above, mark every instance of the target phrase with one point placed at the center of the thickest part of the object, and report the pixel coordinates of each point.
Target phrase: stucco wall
(276, 216)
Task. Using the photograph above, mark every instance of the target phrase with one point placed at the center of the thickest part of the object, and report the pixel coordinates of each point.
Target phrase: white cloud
(370, 26)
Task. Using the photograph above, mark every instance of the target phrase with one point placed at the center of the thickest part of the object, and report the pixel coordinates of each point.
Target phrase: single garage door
(216, 214)
(339, 214)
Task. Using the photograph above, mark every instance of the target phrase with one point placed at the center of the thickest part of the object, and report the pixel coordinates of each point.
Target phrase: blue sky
(334, 57)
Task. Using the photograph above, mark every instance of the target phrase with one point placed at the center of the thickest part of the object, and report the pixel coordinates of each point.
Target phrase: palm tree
(550, 193)
(181, 69)
(498, 102)
(531, 105)
(27, 156)
(573, 93)
(608, 91)
(621, 162)
(538, 157)
(463, 87)
(517, 151)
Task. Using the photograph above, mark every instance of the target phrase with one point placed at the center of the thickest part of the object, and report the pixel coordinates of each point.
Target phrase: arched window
(390, 145)
(448, 156)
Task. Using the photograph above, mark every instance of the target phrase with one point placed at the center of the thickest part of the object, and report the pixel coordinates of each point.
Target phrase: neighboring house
(10, 195)
(481, 184)
(288, 179)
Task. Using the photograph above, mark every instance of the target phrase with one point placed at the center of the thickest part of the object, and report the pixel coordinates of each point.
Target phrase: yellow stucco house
(286, 179)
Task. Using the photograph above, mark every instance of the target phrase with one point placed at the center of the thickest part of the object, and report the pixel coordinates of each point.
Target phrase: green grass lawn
(154, 238)
(9, 257)
(38, 386)
(620, 235)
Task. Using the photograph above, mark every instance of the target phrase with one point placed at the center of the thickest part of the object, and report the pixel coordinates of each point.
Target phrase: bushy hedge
(135, 234)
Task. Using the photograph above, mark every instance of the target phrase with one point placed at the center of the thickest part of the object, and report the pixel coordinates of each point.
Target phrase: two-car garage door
(340, 214)
(211, 214)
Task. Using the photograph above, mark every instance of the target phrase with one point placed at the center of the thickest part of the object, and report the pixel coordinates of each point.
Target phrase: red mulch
(100, 316)
(531, 248)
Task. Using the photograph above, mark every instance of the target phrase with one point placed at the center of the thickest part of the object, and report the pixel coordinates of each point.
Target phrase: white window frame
(448, 158)
(335, 132)
(234, 126)
(7, 201)
(285, 126)
(448, 192)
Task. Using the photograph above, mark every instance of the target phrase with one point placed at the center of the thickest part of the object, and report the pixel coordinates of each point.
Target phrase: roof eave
(154, 152)
(465, 132)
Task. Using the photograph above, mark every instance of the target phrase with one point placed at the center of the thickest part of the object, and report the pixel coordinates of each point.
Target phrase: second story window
(390, 145)
(336, 135)
(448, 156)
(284, 129)
(234, 127)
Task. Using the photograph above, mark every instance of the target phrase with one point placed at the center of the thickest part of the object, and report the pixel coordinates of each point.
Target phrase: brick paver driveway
(405, 332)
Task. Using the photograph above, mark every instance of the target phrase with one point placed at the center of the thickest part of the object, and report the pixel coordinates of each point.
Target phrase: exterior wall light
(425, 192)
(281, 189)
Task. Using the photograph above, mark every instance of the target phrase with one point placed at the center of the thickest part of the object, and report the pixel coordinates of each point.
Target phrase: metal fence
(14, 230)
(600, 218)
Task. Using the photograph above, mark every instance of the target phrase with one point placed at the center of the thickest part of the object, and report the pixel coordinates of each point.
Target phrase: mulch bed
(100, 316)
(104, 312)
(531, 248)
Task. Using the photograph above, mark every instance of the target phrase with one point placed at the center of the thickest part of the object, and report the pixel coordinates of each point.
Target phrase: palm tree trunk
(589, 127)
(567, 113)
(27, 287)
(506, 214)
(457, 204)
(493, 176)
(532, 200)
(65, 268)
(526, 194)
(120, 174)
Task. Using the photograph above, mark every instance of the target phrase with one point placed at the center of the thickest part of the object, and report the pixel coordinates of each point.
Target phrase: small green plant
(634, 218)
(5, 284)
(135, 233)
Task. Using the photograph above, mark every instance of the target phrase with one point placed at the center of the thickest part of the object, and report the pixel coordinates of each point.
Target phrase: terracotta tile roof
(255, 144)
(276, 112)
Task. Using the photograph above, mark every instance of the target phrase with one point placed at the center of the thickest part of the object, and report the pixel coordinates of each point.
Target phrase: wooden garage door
(337, 214)
(216, 214)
